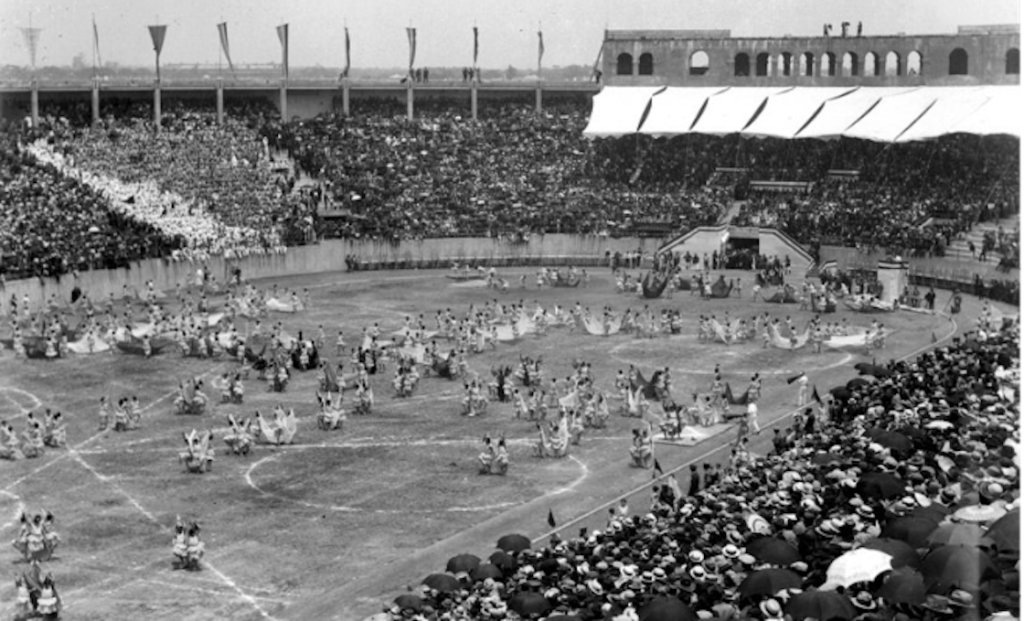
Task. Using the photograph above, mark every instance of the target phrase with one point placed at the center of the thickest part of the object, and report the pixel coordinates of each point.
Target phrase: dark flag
(540, 48)
(96, 43)
(795, 378)
(411, 33)
(222, 30)
(476, 45)
(551, 519)
(282, 35)
(348, 53)
(157, 33)
(657, 469)
(816, 396)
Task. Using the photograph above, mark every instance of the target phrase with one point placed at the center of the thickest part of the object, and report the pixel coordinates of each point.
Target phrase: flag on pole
(157, 34)
(657, 469)
(222, 30)
(282, 35)
(31, 36)
(96, 43)
(348, 54)
(816, 396)
(540, 47)
(411, 33)
(476, 44)
(551, 519)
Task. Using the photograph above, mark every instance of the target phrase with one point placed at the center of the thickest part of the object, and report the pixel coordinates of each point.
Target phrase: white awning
(618, 110)
(786, 113)
(730, 111)
(895, 113)
(948, 110)
(674, 110)
(999, 115)
(839, 114)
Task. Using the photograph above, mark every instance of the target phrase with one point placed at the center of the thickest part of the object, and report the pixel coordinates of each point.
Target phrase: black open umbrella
(773, 550)
(503, 561)
(462, 563)
(484, 571)
(514, 543)
(880, 485)
(957, 567)
(528, 603)
(817, 604)
(769, 582)
(445, 583)
(410, 601)
(903, 555)
(903, 586)
(891, 439)
(1005, 532)
(913, 530)
(866, 368)
(663, 608)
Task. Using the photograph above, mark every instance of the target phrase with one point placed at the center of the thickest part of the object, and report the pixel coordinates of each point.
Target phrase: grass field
(335, 525)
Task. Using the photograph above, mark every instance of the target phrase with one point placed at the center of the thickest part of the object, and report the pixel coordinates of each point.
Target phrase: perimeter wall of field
(330, 255)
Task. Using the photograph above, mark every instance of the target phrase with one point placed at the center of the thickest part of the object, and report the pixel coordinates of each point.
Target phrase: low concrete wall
(935, 267)
(328, 256)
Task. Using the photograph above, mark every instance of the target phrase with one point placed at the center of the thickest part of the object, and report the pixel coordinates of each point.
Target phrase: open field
(356, 514)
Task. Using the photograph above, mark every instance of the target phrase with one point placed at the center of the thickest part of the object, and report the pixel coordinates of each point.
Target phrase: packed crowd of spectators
(910, 199)
(51, 224)
(921, 465)
(513, 173)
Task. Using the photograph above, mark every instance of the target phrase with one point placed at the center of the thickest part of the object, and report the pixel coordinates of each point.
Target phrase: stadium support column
(409, 95)
(284, 101)
(156, 106)
(539, 106)
(95, 102)
(35, 103)
(220, 103)
(345, 91)
(472, 98)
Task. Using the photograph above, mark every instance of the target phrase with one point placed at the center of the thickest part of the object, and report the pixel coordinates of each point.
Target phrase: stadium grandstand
(804, 164)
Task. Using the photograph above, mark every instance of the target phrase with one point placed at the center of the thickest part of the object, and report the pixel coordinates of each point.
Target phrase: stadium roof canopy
(883, 114)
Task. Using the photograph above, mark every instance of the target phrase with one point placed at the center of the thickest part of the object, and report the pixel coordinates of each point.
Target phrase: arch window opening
(699, 62)
(624, 64)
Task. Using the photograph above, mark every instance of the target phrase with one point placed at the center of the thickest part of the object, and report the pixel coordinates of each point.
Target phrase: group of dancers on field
(36, 592)
(38, 435)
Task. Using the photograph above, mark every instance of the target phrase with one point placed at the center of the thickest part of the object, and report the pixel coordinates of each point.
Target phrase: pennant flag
(540, 47)
(551, 519)
(657, 468)
(157, 33)
(348, 54)
(411, 33)
(795, 378)
(31, 42)
(96, 43)
(222, 30)
(816, 396)
(476, 44)
(282, 35)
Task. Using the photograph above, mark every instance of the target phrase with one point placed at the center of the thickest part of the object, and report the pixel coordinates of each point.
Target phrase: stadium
(730, 331)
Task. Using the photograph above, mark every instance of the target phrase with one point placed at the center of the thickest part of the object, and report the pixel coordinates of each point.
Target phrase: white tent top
(944, 114)
(676, 108)
(786, 113)
(730, 111)
(999, 115)
(618, 110)
(883, 114)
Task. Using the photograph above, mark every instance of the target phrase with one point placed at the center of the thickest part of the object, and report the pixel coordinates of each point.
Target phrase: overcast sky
(508, 28)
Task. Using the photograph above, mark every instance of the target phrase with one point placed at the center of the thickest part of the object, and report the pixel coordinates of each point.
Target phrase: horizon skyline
(573, 29)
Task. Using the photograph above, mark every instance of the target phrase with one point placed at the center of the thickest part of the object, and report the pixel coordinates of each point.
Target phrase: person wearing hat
(694, 481)
(771, 609)
(864, 602)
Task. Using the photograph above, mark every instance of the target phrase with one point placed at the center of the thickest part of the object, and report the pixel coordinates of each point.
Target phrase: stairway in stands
(959, 251)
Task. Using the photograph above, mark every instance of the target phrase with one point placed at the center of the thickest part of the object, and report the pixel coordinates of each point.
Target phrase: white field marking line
(19, 509)
(194, 589)
(152, 518)
(589, 514)
(89, 440)
(349, 509)
(5, 390)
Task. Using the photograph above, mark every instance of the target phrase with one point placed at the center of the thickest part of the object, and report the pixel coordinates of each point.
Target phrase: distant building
(974, 55)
